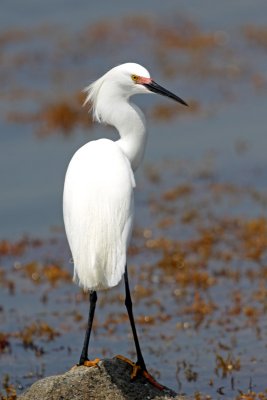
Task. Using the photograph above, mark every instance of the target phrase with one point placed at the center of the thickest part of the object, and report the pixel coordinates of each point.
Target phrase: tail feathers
(100, 258)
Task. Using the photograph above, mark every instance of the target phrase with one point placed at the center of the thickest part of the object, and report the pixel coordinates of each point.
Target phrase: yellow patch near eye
(134, 77)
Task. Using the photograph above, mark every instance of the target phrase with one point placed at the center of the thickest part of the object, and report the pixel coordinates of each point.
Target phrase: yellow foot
(138, 370)
(91, 363)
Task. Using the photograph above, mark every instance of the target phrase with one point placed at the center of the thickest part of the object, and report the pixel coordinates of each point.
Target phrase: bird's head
(122, 82)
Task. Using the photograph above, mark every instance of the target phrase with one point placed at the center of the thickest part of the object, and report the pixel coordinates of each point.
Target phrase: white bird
(98, 200)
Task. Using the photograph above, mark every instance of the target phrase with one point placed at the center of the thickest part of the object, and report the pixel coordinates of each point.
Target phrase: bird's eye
(134, 78)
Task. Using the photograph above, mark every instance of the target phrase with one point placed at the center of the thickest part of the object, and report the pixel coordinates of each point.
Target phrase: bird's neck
(133, 135)
(129, 120)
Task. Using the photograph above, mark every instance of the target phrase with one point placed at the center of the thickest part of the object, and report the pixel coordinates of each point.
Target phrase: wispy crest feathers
(91, 98)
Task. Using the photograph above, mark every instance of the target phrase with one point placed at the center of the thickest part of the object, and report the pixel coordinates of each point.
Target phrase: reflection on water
(201, 197)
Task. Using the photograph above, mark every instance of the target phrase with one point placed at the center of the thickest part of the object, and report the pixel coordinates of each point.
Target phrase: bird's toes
(151, 380)
(138, 370)
(89, 363)
(125, 359)
(135, 367)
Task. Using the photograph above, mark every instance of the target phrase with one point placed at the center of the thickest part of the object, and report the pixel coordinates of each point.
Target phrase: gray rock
(109, 380)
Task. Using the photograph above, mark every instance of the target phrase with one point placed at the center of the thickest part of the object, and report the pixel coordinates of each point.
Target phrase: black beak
(155, 88)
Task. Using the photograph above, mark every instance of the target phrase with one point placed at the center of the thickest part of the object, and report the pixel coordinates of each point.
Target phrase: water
(55, 55)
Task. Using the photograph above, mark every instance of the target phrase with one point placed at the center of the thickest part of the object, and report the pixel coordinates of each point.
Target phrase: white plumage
(98, 213)
(98, 193)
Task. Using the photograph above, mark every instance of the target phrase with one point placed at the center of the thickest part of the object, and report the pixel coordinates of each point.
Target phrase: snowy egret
(98, 201)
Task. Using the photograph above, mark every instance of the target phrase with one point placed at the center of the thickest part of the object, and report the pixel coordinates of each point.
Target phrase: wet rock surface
(110, 379)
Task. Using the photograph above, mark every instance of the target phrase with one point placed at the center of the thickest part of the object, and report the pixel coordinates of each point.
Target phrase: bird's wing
(98, 213)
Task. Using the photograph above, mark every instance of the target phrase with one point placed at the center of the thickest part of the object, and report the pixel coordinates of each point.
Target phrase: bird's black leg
(139, 367)
(128, 304)
(84, 355)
